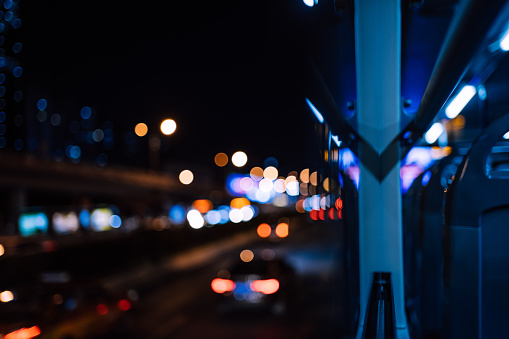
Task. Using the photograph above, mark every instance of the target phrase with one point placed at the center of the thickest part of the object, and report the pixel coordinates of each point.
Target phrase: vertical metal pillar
(378, 64)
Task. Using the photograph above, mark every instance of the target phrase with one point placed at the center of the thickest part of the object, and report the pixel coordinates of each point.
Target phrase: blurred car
(65, 310)
(256, 283)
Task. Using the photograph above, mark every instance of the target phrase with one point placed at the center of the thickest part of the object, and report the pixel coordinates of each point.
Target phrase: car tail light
(222, 285)
(102, 309)
(268, 286)
(24, 333)
(124, 305)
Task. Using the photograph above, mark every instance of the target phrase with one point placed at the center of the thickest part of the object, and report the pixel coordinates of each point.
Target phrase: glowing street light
(239, 159)
(141, 129)
(186, 177)
(168, 126)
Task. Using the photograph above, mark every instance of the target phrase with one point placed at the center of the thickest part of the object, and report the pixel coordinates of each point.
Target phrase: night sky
(229, 73)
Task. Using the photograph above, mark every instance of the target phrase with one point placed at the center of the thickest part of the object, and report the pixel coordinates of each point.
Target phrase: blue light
(2, 27)
(86, 112)
(115, 221)
(85, 218)
(336, 140)
(271, 161)
(2, 78)
(2, 91)
(32, 224)
(177, 214)
(8, 16)
(481, 92)
(17, 47)
(2, 116)
(42, 104)
(16, 23)
(309, 3)
(8, 4)
(224, 211)
(425, 178)
(504, 42)
(460, 101)
(74, 152)
(315, 111)
(213, 217)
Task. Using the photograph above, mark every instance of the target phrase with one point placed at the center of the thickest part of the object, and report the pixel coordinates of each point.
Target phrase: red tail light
(124, 305)
(268, 286)
(24, 333)
(222, 285)
(102, 309)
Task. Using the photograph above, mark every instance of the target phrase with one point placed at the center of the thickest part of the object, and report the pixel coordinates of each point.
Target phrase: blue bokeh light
(86, 112)
(177, 214)
(42, 104)
(17, 47)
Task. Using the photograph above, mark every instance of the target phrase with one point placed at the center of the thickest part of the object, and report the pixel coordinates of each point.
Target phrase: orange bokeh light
(238, 203)
(282, 230)
(221, 159)
(141, 129)
(202, 205)
(264, 230)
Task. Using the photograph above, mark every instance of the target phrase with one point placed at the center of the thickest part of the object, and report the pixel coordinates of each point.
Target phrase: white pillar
(378, 62)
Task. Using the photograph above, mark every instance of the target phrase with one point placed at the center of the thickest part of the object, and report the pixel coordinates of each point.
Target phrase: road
(176, 301)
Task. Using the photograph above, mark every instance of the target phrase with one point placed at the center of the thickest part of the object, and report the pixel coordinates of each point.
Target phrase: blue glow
(309, 3)
(102, 159)
(425, 178)
(2, 62)
(85, 218)
(177, 214)
(8, 16)
(33, 224)
(42, 104)
(115, 221)
(75, 152)
(233, 184)
(2, 91)
(86, 112)
(336, 140)
(18, 144)
(16, 23)
(434, 132)
(315, 111)
(271, 161)
(17, 47)
(504, 42)
(17, 71)
(224, 211)
(2, 27)
(2, 78)
(460, 101)
(421, 156)
(2, 116)
(8, 4)
(481, 92)
(213, 217)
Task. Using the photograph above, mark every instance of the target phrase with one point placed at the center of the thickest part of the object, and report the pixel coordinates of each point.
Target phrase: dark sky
(228, 72)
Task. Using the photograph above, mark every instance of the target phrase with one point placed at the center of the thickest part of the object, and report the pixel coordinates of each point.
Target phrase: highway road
(176, 301)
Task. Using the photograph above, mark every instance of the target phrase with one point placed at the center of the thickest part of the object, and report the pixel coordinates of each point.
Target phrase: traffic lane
(187, 308)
